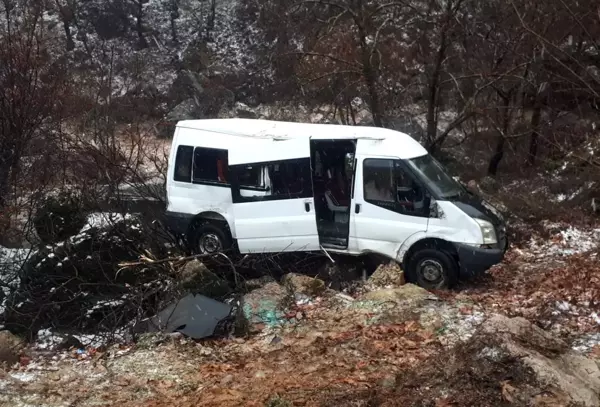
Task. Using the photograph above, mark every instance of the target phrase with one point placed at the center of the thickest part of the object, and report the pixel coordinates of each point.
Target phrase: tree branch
(321, 55)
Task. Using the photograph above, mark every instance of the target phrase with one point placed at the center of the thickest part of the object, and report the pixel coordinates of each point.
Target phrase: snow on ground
(11, 261)
(568, 240)
(47, 339)
(102, 220)
(587, 343)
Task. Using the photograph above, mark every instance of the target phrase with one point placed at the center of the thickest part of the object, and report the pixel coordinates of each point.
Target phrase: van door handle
(307, 206)
(357, 208)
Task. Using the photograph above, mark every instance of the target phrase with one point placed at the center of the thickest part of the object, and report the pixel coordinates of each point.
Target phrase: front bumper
(474, 260)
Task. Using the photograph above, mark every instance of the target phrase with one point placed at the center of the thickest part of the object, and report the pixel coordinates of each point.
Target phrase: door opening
(333, 168)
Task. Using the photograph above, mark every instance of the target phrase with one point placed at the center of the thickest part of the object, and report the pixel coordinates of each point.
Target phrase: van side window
(210, 165)
(251, 176)
(286, 178)
(183, 164)
(278, 180)
(389, 185)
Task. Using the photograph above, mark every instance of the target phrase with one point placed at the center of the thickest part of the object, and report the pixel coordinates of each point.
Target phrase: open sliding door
(273, 202)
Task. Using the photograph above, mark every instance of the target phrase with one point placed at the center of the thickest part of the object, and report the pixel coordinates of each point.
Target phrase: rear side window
(288, 179)
(183, 164)
(250, 176)
(210, 166)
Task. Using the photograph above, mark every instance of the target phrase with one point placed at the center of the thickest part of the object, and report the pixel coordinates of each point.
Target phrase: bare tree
(138, 12)
(366, 25)
(66, 11)
(33, 86)
(173, 16)
(212, 15)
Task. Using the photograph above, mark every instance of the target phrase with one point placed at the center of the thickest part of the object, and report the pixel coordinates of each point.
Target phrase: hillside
(505, 95)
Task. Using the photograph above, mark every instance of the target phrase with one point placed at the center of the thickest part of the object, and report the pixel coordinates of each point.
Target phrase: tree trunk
(497, 157)
(434, 80)
(4, 176)
(8, 163)
(67, 15)
(140, 25)
(535, 132)
(369, 71)
(173, 19)
(70, 42)
(499, 152)
(210, 24)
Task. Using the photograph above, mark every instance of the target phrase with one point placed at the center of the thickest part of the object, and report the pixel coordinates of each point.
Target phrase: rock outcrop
(10, 348)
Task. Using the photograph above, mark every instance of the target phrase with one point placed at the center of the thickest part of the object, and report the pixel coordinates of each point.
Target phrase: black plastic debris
(195, 316)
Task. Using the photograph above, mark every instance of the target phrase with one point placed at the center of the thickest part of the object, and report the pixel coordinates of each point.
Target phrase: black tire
(422, 265)
(203, 235)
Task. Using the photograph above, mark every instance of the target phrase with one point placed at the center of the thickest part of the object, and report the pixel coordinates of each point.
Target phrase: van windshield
(433, 174)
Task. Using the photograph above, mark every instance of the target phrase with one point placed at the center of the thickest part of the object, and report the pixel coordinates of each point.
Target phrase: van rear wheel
(210, 238)
(432, 269)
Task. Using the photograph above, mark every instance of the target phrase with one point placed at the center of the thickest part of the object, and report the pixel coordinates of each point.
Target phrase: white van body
(266, 218)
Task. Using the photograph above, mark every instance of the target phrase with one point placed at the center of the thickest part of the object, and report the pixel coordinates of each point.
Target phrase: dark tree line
(508, 68)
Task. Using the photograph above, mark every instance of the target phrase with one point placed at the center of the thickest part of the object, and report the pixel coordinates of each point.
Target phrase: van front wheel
(432, 269)
(209, 238)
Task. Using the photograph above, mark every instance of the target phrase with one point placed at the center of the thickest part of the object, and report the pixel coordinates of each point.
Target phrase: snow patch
(103, 304)
(11, 261)
(587, 342)
(567, 241)
(101, 220)
(23, 376)
(46, 339)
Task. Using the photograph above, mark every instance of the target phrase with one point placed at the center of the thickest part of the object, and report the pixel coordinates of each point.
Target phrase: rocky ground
(527, 334)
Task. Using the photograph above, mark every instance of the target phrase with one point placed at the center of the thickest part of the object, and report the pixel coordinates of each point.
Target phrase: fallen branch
(146, 260)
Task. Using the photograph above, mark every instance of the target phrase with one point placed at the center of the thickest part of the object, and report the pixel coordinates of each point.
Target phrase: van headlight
(488, 232)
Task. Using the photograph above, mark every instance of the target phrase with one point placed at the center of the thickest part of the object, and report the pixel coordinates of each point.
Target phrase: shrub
(60, 216)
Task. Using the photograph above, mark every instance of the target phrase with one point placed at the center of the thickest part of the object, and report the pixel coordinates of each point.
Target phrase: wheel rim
(431, 270)
(209, 243)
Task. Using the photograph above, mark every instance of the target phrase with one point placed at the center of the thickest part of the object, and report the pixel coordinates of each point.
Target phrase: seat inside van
(332, 171)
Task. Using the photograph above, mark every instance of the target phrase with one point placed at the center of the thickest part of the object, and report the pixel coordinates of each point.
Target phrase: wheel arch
(430, 243)
(212, 217)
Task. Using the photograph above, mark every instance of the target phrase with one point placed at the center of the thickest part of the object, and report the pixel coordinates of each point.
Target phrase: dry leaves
(507, 391)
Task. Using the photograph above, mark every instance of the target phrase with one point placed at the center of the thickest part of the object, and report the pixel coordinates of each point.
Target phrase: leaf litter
(335, 349)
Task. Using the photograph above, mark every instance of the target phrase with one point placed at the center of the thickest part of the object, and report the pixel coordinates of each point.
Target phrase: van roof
(258, 128)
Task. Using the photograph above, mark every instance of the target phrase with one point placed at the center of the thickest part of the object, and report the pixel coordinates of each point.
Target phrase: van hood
(476, 207)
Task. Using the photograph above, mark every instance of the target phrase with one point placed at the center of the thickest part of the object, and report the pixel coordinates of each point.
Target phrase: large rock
(196, 278)
(186, 110)
(387, 275)
(10, 348)
(266, 305)
(244, 111)
(408, 293)
(255, 283)
(339, 275)
(197, 56)
(301, 284)
(507, 362)
(550, 360)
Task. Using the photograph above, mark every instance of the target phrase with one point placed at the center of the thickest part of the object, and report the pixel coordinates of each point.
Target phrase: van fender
(407, 244)
(423, 240)
(216, 216)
